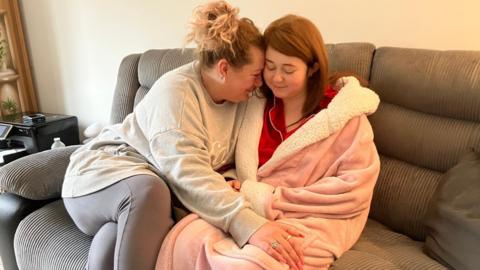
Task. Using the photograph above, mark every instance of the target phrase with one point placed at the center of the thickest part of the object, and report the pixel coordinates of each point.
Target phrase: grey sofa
(429, 114)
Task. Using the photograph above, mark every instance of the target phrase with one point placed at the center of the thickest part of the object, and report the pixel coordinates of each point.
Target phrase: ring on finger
(274, 244)
(288, 237)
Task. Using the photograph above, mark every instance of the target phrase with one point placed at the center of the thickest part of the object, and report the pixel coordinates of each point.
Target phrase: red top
(274, 130)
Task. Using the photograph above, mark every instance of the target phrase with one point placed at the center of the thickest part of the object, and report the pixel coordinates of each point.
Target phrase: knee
(150, 189)
(157, 188)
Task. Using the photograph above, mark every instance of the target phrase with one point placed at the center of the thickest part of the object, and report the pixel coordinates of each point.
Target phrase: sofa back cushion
(351, 57)
(154, 63)
(429, 115)
(138, 72)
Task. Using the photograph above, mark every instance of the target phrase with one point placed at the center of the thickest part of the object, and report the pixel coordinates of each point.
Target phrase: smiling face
(285, 75)
(240, 82)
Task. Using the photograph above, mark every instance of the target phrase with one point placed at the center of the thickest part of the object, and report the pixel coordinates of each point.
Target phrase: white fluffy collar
(352, 100)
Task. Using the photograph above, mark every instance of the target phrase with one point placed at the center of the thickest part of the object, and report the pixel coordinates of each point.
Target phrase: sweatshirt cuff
(258, 194)
(244, 224)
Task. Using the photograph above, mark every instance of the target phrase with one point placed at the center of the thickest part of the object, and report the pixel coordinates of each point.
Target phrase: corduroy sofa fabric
(379, 248)
(150, 70)
(126, 88)
(402, 194)
(429, 115)
(351, 57)
(37, 177)
(442, 83)
(434, 94)
(48, 239)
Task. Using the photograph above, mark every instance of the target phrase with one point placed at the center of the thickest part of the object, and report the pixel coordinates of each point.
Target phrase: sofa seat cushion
(381, 248)
(48, 239)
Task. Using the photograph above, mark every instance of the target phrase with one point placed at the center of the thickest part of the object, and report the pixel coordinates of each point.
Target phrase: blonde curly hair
(220, 34)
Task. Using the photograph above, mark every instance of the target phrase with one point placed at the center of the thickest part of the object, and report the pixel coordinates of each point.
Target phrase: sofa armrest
(38, 176)
(13, 209)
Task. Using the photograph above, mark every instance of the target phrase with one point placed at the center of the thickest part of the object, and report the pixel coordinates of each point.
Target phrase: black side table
(29, 137)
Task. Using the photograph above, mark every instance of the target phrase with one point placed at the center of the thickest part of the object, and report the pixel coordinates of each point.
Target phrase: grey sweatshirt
(180, 134)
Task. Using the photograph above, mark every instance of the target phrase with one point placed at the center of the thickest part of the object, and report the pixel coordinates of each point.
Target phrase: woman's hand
(277, 240)
(235, 184)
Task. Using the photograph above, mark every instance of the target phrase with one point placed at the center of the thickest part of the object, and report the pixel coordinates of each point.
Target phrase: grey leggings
(128, 221)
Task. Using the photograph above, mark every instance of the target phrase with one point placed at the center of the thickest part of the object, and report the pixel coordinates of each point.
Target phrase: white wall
(76, 45)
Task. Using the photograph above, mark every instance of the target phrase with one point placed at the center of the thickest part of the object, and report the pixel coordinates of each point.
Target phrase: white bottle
(57, 143)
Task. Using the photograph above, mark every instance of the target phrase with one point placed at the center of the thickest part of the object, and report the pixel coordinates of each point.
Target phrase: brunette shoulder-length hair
(296, 36)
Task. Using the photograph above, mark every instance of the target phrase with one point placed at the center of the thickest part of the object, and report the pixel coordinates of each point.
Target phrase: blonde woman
(183, 133)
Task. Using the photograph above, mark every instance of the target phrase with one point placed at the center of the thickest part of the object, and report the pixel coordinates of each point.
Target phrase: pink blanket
(323, 188)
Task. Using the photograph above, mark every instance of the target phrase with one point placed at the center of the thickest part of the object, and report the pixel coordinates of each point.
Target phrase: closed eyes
(285, 69)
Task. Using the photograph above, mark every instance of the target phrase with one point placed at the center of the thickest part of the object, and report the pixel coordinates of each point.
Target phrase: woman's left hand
(279, 241)
(235, 184)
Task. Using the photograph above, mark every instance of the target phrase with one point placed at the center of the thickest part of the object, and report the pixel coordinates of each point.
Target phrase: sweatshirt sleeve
(343, 195)
(185, 164)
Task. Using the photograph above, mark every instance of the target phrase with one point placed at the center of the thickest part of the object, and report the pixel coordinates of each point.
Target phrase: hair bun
(213, 26)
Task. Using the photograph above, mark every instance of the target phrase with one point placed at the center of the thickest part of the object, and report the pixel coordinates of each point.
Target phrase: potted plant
(10, 106)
